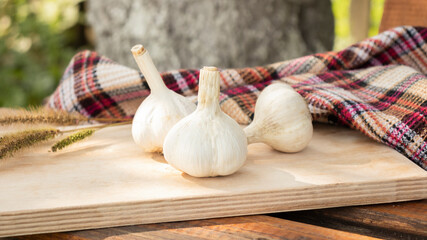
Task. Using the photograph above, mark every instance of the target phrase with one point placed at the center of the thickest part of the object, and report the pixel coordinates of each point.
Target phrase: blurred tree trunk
(224, 33)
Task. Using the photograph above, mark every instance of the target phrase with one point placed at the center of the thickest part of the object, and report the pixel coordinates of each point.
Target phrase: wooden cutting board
(108, 181)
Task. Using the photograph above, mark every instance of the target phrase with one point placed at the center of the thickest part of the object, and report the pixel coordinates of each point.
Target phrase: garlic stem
(251, 132)
(148, 69)
(208, 96)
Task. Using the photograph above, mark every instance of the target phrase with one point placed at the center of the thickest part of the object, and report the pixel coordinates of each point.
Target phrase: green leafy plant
(34, 48)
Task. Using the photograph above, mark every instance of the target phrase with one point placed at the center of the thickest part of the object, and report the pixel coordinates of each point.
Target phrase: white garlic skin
(156, 115)
(282, 119)
(207, 143)
(203, 147)
(160, 111)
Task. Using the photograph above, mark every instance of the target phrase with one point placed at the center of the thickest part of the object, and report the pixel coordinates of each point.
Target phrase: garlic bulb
(208, 142)
(160, 111)
(282, 119)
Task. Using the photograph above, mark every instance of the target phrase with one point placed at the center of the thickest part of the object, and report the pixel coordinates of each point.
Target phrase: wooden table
(406, 220)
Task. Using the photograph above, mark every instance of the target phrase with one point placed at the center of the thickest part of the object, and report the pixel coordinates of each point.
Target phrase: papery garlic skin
(282, 119)
(156, 115)
(160, 111)
(207, 143)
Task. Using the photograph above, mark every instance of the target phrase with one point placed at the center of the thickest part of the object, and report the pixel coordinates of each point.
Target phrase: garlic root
(208, 142)
(160, 111)
(282, 119)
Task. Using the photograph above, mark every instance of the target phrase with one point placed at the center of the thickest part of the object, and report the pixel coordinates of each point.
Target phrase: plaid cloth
(377, 86)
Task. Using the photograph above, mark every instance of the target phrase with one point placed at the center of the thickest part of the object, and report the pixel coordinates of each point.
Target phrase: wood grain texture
(407, 220)
(250, 227)
(398, 13)
(107, 181)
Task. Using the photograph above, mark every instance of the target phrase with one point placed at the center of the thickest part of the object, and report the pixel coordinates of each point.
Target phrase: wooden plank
(251, 227)
(398, 13)
(406, 220)
(108, 181)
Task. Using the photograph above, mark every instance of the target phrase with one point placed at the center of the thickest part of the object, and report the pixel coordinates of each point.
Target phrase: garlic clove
(282, 119)
(160, 111)
(207, 143)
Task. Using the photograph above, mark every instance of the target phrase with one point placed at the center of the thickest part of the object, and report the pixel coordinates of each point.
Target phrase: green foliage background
(341, 11)
(38, 39)
(35, 48)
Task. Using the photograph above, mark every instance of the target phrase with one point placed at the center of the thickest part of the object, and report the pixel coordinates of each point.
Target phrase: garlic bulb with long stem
(282, 119)
(208, 142)
(160, 111)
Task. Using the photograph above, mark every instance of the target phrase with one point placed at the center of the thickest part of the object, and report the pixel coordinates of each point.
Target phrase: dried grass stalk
(75, 137)
(12, 143)
(40, 116)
